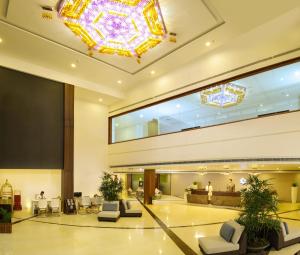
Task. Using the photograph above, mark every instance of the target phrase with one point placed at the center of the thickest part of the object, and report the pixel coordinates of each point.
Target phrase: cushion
(124, 204)
(286, 227)
(226, 232)
(128, 204)
(109, 214)
(216, 244)
(110, 206)
(238, 231)
(283, 229)
(293, 234)
(133, 211)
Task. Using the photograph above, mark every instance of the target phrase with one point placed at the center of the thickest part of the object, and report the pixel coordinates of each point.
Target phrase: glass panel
(272, 91)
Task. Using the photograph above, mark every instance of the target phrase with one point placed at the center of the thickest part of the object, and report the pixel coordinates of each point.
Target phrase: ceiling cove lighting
(122, 27)
(223, 96)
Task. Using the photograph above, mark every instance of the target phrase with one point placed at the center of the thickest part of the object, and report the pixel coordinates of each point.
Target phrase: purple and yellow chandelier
(223, 96)
(123, 27)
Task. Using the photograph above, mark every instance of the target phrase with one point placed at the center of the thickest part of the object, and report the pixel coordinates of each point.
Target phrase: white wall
(90, 143)
(269, 137)
(31, 182)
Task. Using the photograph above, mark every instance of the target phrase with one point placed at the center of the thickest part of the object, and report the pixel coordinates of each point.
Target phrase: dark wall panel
(31, 121)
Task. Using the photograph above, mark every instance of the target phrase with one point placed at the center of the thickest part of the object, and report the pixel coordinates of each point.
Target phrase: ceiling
(45, 47)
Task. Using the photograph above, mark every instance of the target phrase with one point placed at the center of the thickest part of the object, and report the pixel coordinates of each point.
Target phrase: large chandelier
(123, 27)
(225, 95)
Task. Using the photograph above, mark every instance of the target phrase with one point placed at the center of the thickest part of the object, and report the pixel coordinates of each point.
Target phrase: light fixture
(73, 65)
(122, 27)
(1, 40)
(178, 106)
(282, 79)
(261, 105)
(141, 116)
(100, 100)
(119, 82)
(152, 72)
(287, 95)
(207, 44)
(224, 95)
(297, 73)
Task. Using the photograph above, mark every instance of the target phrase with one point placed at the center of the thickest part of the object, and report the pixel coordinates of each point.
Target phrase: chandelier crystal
(123, 27)
(224, 95)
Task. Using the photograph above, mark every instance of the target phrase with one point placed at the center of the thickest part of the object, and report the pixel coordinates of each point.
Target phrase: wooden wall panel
(67, 175)
(149, 185)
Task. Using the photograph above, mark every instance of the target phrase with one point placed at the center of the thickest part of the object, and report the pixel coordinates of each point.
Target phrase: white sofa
(110, 211)
(219, 246)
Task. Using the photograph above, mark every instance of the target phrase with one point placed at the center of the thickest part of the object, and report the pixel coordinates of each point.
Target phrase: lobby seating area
(149, 127)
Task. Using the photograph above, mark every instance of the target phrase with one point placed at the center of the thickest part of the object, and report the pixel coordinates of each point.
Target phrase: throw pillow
(286, 228)
(110, 206)
(239, 229)
(226, 232)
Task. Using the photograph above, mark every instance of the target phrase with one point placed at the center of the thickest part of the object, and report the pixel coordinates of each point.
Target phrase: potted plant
(294, 192)
(5, 221)
(111, 186)
(259, 201)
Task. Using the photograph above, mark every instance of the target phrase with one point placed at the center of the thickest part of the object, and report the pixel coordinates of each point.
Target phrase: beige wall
(91, 138)
(238, 52)
(269, 137)
(281, 182)
(31, 182)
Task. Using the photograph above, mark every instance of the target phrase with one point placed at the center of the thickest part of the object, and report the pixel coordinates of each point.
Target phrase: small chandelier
(122, 27)
(223, 96)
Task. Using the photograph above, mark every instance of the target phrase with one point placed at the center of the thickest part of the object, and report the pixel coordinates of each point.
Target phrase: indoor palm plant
(5, 221)
(259, 216)
(111, 187)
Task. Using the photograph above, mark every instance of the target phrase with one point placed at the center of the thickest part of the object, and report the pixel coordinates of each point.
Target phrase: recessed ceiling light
(141, 116)
(152, 72)
(178, 106)
(100, 99)
(297, 73)
(287, 95)
(261, 105)
(1, 40)
(207, 44)
(73, 65)
(282, 79)
(119, 82)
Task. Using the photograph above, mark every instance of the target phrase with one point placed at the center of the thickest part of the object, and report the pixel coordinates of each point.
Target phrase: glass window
(272, 91)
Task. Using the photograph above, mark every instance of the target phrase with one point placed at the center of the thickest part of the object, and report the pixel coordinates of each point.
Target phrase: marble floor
(83, 234)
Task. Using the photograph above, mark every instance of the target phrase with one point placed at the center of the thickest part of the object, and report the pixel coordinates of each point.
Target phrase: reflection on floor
(83, 234)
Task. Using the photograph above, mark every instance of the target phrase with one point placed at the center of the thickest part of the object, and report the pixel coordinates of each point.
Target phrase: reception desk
(222, 198)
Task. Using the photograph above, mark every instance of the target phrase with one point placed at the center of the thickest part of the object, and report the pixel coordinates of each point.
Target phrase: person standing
(209, 189)
(230, 186)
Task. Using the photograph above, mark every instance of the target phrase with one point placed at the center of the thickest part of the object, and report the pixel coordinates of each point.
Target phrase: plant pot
(6, 228)
(257, 249)
(294, 194)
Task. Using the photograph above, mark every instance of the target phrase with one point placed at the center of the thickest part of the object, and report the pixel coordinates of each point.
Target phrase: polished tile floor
(83, 234)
